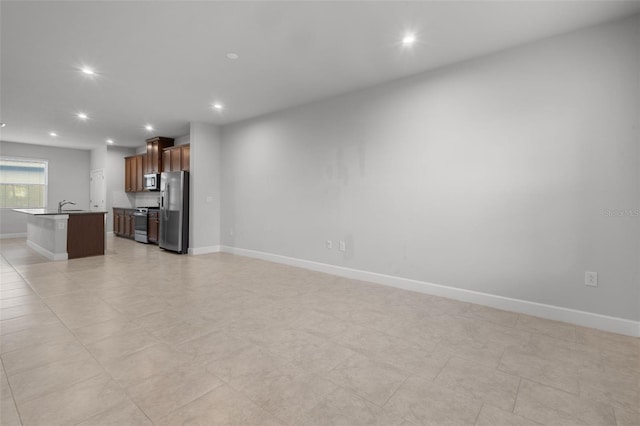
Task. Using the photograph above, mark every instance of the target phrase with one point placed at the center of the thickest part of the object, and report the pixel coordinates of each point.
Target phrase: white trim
(194, 251)
(573, 316)
(17, 235)
(46, 253)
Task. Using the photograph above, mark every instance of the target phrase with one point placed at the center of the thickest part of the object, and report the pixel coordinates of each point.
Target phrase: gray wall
(494, 175)
(205, 198)
(68, 179)
(116, 197)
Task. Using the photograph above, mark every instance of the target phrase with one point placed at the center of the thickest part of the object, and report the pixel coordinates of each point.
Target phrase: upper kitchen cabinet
(134, 167)
(155, 147)
(176, 158)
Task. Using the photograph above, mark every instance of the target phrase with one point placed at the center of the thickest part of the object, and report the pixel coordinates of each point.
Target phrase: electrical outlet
(329, 244)
(591, 279)
(342, 246)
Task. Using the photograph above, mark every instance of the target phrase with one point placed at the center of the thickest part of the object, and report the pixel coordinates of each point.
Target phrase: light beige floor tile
(406, 355)
(8, 412)
(85, 318)
(153, 360)
(53, 377)
(626, 417)
(10, 277)
(487, 384)
(51, 332)
(492, 416)
(321, 324)
(74, 404)
(16, 292)
(370, 379)
(184, 331)
(37, 355)
(264, 328)
(249, 366)
(212, 346)
(19, 301)
(609, 341)
(342, 407)
(121, 344)
(30, 321)
(221, 406)
(23, 310)
(125, 413)
(555, 329)
(424, 403)
(479, 351)
(95, 332)
(308, 351)
(565, 352)
(524, 363)
(617, 390)
(159, 395)
(288, 398)
(14, 285)
(547, 405)
(617, 362)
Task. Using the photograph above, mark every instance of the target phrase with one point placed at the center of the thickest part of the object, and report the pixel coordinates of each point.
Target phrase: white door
(97, 202)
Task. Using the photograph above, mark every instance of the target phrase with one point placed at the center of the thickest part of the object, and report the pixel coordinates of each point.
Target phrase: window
(23, 183)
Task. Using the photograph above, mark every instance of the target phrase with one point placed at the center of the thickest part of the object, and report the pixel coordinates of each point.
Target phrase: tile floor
(142, 337)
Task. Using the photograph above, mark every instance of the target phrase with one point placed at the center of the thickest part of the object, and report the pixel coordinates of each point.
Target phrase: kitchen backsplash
(147, 199)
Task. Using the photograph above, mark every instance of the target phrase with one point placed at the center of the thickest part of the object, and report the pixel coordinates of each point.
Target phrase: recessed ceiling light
(54, 134)
(149, 128)
(82, 116)
(87, 71)
(408, 39)
(232, 55)
(110, 141)
(218, 106)
(3, 124)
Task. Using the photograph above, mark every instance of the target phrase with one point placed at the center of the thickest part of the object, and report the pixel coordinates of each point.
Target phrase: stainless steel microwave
(152, 182)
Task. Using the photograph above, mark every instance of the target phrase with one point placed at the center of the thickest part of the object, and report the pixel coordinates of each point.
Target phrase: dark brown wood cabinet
(186, 157)
(176, 158)
(155, 147)
(134, 173)
(124, 222)
(153, 226)
(85, 235)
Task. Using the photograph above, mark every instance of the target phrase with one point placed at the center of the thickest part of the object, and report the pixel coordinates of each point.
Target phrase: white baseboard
(18, 235)
(572, 316)
(46, 253)
(203, 250)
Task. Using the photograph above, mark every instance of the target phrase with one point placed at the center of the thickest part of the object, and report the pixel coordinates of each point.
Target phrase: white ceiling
(164, 62)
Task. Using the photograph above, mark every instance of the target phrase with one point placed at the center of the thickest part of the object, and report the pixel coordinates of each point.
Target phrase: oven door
(140, 227)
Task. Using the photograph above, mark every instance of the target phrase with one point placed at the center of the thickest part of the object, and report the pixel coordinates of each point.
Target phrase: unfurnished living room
(320, 213)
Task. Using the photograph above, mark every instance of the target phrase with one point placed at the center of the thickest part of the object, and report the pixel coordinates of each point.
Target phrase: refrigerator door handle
(166, 209)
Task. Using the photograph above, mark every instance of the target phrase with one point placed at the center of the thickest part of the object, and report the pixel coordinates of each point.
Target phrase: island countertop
(53, 212)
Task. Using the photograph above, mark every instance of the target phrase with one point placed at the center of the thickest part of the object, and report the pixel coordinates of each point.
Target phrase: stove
(141, 219)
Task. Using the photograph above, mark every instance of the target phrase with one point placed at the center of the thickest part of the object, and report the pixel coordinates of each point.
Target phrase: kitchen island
(66, 234)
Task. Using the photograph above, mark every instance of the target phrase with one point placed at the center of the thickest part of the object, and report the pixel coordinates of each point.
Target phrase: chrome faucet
(63, 203)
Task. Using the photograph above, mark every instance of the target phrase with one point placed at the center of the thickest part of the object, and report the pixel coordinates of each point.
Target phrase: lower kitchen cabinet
(124, 222)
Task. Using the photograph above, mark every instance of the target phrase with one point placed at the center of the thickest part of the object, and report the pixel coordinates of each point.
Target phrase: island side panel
(47, 234)
(85, 236)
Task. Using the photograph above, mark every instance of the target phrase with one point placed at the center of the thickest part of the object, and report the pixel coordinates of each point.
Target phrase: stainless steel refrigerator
(174, 211)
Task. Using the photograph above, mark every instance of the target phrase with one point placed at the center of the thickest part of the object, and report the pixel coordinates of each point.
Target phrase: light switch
(209, 199)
